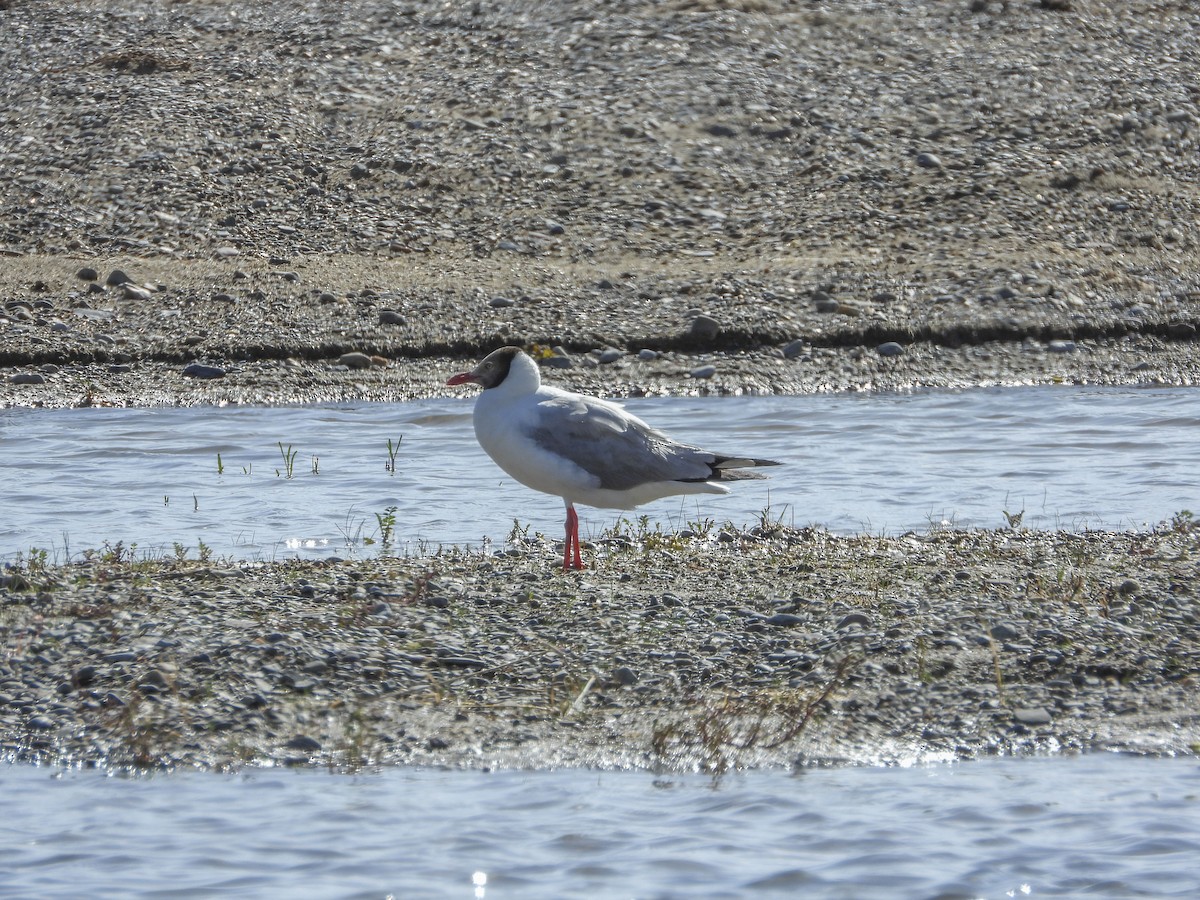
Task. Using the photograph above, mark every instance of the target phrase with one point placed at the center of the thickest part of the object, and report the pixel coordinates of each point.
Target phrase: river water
(1065, 457)
(1093, 826)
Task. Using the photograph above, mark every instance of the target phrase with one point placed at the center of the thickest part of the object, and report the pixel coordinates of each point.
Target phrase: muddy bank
(773, 647)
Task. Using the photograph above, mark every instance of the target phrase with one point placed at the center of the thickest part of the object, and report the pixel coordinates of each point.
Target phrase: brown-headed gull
(584, 449)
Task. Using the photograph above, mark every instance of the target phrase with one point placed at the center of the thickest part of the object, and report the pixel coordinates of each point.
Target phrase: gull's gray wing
(619, 449)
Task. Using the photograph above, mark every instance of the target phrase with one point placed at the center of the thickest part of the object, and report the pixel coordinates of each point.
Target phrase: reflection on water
(1094, 826)
(884, 463)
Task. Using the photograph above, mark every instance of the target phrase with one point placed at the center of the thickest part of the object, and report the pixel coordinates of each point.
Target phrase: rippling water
(1093, 826)
(884, 463)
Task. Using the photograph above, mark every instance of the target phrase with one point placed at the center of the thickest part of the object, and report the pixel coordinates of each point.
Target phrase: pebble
(890, 348)
(647, 355)
(27, 378)
(794, 350)
(928, 161)
(703, 372)
(87, 273)
(1058, 346)
(117, 278)
(609, 356)
(705, 327)
(355, 360)
(1034, 715)
(501, 302)
(391, 317)
(304, 743)
(135, 292)
(201, 370)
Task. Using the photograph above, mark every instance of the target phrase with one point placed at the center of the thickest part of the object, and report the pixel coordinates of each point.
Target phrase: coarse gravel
(210, 202)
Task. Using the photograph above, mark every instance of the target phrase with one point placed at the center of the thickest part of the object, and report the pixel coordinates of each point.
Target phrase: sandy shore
(299, 202)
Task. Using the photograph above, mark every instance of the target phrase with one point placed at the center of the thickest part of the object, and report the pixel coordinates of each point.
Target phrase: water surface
(1093, 826)
(1065, 457)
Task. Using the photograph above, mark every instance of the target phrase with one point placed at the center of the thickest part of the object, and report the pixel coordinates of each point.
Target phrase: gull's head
(496, 367)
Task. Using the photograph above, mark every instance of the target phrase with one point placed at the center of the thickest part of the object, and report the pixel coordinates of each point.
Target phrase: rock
(1032, 715)
(794, 350)
(116, 278)
(647, 355)
(928, 161)
(136, 292)
(1004, 632)
(1061, 346)
(705, 328)
(391, 317)
(703, 372)
(27, 378)
(784, 620)
(854, 620)
(890, 348)
(87, 273)
(624, 675)
(610, 356)
(200, 370)
(355, 360)
(304, 744)
(501, 302)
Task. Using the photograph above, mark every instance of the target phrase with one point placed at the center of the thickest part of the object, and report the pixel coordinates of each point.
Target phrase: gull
(584, 449)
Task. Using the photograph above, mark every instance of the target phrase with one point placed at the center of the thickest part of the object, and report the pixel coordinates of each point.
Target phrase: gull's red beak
(461, 378)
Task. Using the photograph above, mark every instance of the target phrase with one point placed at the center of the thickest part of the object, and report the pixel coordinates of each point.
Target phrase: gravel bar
(762, 647)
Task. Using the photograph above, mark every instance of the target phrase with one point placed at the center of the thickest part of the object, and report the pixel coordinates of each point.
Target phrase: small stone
(116, 277)
(136, 292)
(1004, 632)
(391, 317)
(226, 252)
(784, 620)
(200, 370)
(609, 356)
(854, 620)
(558, 361)
(890, 348)
(359, 170)
(87, 273)
(1032, 715)
(554, 227)
(304, 743)
(355, 360)
(705, 327)
(501, 302)
(928, 161)
(703, 372)
(27, 378)
(1062, 346)
(624, 675)
(41, 723)
(647, 355)
(223, 298)
(794, 350)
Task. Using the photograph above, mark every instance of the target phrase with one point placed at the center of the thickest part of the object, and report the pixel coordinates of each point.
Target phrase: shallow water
(1095, 826)
(1068, 457)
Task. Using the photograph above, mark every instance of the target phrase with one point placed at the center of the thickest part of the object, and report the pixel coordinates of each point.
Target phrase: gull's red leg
(571, 545)
(578, 558)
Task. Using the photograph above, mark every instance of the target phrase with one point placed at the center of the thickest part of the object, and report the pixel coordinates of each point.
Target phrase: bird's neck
(523, 377)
